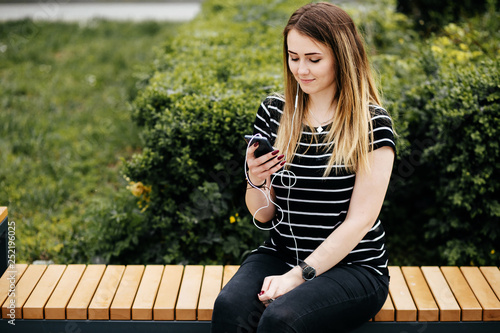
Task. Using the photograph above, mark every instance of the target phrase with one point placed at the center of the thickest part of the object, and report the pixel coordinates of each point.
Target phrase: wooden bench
(176, 298)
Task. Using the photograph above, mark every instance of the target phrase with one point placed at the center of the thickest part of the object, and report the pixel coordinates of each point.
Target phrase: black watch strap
(308, 272)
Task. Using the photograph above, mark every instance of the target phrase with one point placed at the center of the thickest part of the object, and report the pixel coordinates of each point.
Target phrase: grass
(65, 122)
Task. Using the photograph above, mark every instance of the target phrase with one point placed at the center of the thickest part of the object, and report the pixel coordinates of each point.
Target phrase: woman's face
(312, 64)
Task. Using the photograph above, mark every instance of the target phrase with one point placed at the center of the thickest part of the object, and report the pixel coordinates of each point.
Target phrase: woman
(324, 266)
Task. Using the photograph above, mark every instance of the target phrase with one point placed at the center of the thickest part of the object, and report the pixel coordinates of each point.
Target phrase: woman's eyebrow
(307, 54)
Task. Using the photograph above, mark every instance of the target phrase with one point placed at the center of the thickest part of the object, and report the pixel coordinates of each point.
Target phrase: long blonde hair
(349, 135)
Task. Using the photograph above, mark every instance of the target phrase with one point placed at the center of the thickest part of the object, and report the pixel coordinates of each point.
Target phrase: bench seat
(119, 297)
(177, 298)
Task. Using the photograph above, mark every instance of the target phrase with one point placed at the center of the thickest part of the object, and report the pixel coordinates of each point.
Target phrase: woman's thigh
(336, 301)
(237, 308)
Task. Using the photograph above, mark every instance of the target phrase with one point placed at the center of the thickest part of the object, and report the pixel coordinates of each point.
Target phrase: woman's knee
(277, 318)
(232, 310)
(225, 303)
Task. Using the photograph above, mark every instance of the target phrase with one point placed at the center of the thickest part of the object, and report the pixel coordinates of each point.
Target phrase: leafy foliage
(65, 121)
(64, 124)
(200, 101)
(202, 96)
(454, 118)
(447, 168)
(431, 16)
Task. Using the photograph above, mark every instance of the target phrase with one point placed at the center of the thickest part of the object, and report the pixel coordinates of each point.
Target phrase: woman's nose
(303, 69)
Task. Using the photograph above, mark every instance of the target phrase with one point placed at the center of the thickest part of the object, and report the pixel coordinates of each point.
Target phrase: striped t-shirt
(316, 205)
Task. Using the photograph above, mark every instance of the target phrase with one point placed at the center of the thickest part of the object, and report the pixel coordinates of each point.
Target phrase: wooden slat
(9, 280)
(46, 290)
(422, 296)
(492, 275)
(189, 293)
(212, 282)
(23, 290)
(449, 310)
(142, 309)
(121, 307)
(33, 308)
(99, 306)
(471, 310)
(79, 302)
(229, 271)
(56, 306)
(3, 213)
(483, 292)
(387, 311)
(164, 308)
(401, 297)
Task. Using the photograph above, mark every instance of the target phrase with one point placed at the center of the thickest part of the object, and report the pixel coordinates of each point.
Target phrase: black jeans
(338, 300)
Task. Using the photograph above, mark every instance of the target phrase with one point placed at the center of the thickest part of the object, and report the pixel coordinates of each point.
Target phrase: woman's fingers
(266, 296)
(264, 166)
(267, 162)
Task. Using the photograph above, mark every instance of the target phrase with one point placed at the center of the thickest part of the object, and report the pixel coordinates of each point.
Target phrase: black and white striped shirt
(316, 205)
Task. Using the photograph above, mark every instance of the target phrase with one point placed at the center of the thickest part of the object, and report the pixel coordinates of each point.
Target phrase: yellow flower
(139, 189)
(436, 49)
(492, 252)
(136, 188)
(232, 219)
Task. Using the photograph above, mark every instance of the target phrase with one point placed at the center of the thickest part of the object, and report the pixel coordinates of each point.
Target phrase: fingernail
(282, 163)
(275, 152)
(256, 144)
(261, 293)
(280, 157)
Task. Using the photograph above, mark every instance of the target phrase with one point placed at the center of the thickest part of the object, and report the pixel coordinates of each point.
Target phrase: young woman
(324, 266)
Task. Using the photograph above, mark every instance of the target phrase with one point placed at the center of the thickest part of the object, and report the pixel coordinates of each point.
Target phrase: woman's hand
(260, 169)
(277, 285)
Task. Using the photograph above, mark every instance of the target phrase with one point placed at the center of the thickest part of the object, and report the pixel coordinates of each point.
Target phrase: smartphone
(264, 145)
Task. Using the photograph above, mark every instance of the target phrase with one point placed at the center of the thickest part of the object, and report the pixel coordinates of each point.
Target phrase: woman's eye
(315, 60)
(294, 59)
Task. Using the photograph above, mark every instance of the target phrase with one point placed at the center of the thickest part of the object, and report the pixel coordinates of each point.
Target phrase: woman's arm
(366, 202)
(260, 171)
(367, 198)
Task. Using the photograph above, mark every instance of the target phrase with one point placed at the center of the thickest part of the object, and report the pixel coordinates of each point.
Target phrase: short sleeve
(383, 130)
(267, 119)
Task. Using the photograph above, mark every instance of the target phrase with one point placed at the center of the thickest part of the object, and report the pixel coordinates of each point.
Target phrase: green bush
(431, 16)
(201, 96)
(447, 169)
(200, 100)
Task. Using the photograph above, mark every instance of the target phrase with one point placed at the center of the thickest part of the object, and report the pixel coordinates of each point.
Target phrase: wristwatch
(308, 272)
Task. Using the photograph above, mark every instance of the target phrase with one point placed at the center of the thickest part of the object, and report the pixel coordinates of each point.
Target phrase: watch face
(308, 273)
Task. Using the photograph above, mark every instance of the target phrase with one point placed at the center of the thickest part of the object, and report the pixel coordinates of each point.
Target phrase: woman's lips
(306, 81)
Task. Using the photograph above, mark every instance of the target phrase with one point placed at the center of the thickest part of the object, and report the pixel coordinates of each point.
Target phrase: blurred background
(121, 137)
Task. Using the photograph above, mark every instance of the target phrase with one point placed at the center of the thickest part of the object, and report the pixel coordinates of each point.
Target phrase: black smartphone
(264, 145)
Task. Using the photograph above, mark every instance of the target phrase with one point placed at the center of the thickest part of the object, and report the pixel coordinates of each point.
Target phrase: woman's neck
(322, 109)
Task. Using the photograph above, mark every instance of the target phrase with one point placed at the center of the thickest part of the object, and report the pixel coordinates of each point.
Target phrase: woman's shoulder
(379, 115)
(377, 110)
(275, 102)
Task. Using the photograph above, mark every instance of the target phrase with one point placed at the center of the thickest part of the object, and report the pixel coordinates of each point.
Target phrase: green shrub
(431, 16)
(200, 100)
(201, 96)
(448, 177)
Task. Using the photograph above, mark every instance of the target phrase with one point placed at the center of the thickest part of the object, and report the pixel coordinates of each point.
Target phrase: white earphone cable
(292, 180)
